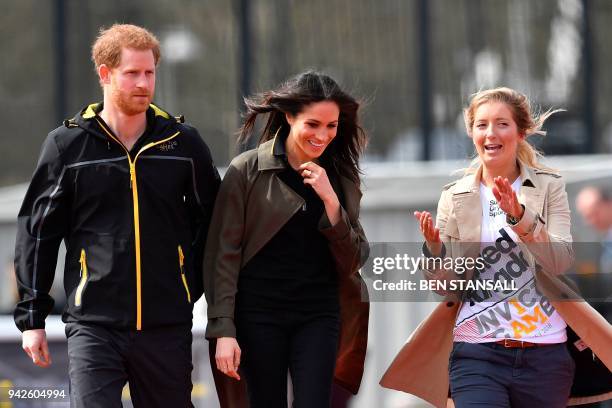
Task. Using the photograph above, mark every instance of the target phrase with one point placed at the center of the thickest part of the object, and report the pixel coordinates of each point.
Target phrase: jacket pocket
(78, 296)
(451, 228)
(182, 268)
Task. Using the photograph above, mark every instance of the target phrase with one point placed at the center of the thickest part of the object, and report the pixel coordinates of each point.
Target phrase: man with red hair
(130, 190)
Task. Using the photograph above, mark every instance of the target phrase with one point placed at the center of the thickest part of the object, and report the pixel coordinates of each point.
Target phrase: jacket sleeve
(436, 267)
(200, 201)
(549, 242)
(429, 266)
(41, 226)
(223, 255)
(347, 241)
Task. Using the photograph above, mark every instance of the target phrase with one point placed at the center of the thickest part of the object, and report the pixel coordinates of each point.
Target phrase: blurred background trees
(414, 62)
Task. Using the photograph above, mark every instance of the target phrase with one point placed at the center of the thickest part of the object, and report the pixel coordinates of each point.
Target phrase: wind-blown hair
(527, 122)
(343, 153)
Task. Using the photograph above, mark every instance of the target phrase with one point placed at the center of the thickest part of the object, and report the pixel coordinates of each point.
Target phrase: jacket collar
(158, 120)
(468, 207)
(92, 110)
(271, 155)
(471, 182)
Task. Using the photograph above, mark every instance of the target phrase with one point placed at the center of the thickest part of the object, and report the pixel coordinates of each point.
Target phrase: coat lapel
(530, 193)
(467, 207)
(281, 201)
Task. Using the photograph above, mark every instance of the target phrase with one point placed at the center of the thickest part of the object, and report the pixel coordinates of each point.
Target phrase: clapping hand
(430, 233)
(506, 198)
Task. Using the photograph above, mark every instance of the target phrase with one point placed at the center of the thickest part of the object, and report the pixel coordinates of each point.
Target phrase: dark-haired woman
(284, 249)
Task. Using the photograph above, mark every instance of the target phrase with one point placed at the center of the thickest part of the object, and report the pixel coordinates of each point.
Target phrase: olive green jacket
(251, 207)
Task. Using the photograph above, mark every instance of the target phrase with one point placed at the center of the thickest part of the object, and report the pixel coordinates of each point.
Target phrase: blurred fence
(414, 62)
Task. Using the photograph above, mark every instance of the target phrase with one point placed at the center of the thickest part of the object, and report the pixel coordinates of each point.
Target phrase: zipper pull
(108, 144)
(132, 175)
(82, 262)
(181, 258)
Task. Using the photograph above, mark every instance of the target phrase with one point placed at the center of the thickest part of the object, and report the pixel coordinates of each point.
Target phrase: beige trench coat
(421, 367)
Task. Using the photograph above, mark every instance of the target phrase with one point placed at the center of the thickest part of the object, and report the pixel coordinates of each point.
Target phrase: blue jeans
(490, 375)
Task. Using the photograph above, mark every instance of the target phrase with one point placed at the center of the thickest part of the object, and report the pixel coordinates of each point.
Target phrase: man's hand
(34, 343)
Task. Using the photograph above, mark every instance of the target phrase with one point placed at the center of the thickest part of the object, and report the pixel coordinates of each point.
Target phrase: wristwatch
(512, 220)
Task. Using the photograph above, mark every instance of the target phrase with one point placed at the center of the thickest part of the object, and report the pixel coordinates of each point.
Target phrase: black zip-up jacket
(134, 224)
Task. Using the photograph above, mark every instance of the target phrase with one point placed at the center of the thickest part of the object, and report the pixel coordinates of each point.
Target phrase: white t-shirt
(520, 314)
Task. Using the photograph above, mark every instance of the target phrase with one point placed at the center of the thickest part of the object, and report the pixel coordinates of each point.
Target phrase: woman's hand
(506, 198)
(430, 233)
(227, 356)
(315, 176)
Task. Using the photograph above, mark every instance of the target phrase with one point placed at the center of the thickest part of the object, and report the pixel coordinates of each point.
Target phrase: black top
(295, 269)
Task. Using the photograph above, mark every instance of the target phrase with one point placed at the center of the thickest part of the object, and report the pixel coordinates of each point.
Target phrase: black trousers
(274, 343)
(156, 363)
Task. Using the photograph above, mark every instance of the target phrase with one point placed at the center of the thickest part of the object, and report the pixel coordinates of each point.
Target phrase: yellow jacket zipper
(183, 277)
(84, 275)
(134, 187)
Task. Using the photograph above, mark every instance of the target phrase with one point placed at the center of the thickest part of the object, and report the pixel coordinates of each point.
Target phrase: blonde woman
(503, 348)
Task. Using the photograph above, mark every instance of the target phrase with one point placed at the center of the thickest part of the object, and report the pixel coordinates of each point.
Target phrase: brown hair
(344, 152)
(107, 47)
(527, 122)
